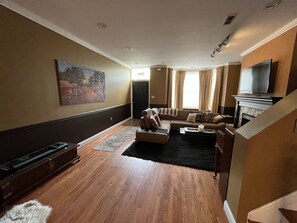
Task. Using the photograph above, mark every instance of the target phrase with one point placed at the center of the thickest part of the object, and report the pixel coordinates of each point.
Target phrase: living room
(30, 100)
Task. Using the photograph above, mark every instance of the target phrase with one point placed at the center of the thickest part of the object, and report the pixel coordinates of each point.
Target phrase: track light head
(213, 57)
(225, 43)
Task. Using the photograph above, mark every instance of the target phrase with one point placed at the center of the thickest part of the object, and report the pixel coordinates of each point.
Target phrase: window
(140, 74)
(191, 90)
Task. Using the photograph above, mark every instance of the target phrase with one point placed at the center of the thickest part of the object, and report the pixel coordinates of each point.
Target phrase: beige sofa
(183, 118)
(204, 118)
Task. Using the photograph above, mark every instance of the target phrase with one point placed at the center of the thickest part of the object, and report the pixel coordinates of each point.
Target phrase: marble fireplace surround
(252, 105)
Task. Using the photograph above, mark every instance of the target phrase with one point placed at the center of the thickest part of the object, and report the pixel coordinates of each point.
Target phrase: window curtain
(205, 79)
(179, 88)
(169, 92)
(216, 95)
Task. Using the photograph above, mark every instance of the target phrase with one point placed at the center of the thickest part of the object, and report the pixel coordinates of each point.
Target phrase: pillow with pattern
(157, 119)
(154, 123)
(200, 117)
(208, 117)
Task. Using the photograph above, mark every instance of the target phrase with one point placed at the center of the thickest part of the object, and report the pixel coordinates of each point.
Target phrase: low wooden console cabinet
(17, 183)
(223, 156)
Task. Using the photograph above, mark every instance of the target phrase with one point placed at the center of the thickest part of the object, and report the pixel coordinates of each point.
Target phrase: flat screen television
(256, 79)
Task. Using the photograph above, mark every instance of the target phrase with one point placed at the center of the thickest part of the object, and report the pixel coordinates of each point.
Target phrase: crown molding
(235, 63)
(41, 21)
(279, 32)
(158, 66)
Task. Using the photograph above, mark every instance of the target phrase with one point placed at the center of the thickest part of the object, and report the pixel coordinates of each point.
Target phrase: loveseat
(156, 123)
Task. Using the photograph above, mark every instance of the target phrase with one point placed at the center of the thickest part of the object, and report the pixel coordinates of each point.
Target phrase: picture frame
(78, 84)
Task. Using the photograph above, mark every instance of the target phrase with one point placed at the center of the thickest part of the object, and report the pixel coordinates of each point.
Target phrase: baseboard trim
(228, 212)
(86, 141)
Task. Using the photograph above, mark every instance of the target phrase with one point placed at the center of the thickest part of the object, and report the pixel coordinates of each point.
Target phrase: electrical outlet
(111, 118)
(295, 128)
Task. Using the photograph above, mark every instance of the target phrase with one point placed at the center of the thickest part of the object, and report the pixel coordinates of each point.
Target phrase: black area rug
(176, 151)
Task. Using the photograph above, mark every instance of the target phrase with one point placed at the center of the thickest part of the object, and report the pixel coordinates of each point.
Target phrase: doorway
(140, 97)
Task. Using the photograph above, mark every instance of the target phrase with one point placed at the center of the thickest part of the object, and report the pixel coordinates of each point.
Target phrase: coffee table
(208, 136)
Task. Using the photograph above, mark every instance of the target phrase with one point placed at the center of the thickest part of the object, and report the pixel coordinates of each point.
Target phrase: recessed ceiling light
(128, 48)
(101, 25)
(273, 4)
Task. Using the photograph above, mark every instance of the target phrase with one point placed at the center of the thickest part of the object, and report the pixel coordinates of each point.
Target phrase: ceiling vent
(230, 18)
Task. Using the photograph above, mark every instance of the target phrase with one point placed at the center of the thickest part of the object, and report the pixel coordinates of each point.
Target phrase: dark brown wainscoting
(21, 141)
(158, 105)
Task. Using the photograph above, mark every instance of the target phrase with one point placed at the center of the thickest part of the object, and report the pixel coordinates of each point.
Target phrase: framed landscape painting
(78, 84)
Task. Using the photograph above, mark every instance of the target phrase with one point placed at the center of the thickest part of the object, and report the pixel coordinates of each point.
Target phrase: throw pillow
(208, 117)
(155, 111)
(147, 122)
(158, 119)
(200, 117)
(192, 117)
(217, 119)
(154, 123)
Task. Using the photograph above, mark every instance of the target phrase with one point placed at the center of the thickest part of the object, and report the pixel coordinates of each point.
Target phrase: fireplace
(245, 118)
(250, 106)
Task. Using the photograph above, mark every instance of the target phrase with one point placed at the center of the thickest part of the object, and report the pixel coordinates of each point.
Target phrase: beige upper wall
(279, 49)
(229, 86)
(28, 80)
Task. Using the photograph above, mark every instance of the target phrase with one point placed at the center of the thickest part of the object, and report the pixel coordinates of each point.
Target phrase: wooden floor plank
(109, 187)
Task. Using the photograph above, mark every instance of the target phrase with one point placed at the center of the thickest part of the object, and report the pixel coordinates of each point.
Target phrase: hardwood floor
(109, 187)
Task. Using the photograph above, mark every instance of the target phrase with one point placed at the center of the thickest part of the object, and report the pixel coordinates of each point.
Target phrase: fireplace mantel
(259, 102)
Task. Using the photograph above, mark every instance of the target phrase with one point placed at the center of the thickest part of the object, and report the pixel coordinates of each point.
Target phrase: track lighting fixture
(225, 43)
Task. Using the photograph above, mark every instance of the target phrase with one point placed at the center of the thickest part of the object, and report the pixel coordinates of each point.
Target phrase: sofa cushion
(156, 136)
(165, 126)
(191, 117)
(219, 126)
(177, 124)
(217, 119)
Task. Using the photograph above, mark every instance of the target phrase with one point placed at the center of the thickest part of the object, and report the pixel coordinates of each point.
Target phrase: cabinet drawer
(220, 139)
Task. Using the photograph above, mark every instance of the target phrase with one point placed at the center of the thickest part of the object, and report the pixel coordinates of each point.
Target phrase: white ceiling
(178, 33)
